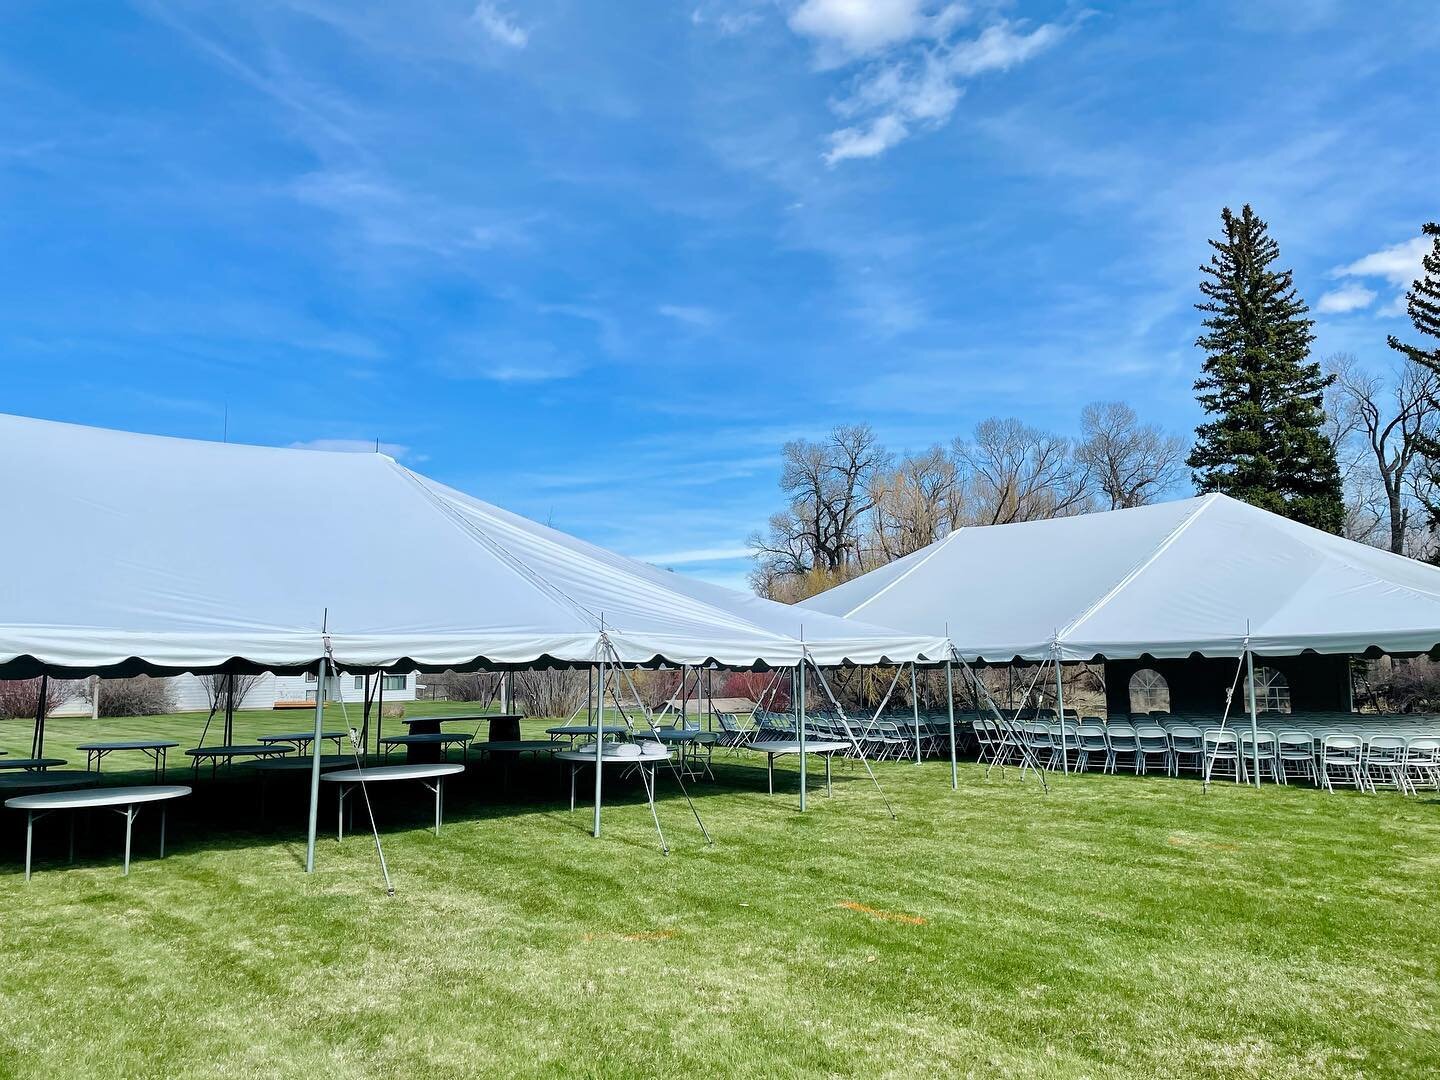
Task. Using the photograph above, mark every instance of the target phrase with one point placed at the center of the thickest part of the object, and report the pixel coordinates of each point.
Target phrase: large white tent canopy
(1170, 580)
(126, 553)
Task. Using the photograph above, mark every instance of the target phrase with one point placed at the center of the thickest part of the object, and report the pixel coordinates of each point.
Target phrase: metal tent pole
(1060, 711)
(915, 708)
(800, 713)
(230, 710)
(950, 707)
(37, 737)
(1254, 716)
(599, 735)
(315, 767)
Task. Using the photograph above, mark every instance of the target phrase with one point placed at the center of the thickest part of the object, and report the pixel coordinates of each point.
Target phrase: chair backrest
(1090, 735)
(1186, 738)
(1221, 741)
(1296, 742)
(1385, 749)
(1342, 749)
(1037, 736)
(1264, 740)
(1152, 738)
(1122, 737)
(728, 723)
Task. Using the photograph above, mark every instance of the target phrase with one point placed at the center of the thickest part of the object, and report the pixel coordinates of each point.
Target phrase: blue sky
(596, 261)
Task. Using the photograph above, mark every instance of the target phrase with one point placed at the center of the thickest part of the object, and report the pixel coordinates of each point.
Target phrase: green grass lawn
(1115, 927)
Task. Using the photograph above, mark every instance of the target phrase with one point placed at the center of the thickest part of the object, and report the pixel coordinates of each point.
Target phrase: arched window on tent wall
(1272, 691)
(1149, 692)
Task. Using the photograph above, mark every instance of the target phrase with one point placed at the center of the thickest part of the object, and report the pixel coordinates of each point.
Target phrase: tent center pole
(1254, 715)
(800, 726)
(599, 734)
(315, 767)
(950, 712)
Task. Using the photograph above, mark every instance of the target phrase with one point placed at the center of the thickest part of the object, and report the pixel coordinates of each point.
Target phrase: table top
(789, 746)
(304, 762)
(587, 757)
(238, 750)
(393, 772)
(444, 718)
(427, 738)
(584, 729)
(495, 745)
(31, 763)
(34, 780)
(299, 736)
(105, 796)
(128, 744)
(677, 735)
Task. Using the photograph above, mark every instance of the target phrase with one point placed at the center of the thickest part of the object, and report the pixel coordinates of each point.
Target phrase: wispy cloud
(692, 556)
(1399, 265)
(911, 64)
(1350, 297)
(498, 26)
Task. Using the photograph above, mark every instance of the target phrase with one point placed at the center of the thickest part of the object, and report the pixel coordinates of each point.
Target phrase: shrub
(20, 698)
(140, 696)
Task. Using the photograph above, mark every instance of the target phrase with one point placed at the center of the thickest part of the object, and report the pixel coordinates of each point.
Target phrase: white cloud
(499, 27)
(859, 27)
(864, 142)
(1000, 47)
(691, 556)
(1350, 297)
(1399, 265)
(912, 69)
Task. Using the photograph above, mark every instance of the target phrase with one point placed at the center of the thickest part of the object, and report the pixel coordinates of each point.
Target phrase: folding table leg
(129, 822)
(770, 772)
(828, 790)
(29, 836)
(72, 838)
(162, 832)
(439, 787)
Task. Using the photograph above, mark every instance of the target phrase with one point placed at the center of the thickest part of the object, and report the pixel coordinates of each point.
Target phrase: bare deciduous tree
(828, 485)
(552, 693)
(915, 504)
(215, 687)
(1020, 473)
(1132, 463)
(1380, 426)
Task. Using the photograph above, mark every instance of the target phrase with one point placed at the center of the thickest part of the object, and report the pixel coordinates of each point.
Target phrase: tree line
(1329, 443)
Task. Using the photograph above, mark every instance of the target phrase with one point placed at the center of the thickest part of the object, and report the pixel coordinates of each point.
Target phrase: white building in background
(188, 692)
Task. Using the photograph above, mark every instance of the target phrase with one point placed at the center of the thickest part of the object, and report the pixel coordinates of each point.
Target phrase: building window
(309, 676)
(394, 682)
(1272, 691)
(359, 682)
(1149, 692)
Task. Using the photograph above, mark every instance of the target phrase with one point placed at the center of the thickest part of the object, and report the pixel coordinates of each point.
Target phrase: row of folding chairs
(1402, 763)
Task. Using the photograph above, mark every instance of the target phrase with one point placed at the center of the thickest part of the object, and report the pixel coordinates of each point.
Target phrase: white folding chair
(1295, 751)
(1123, 742)
(1422, 763)
(1383, 762)
(1187, 743)
(1340, 762)
(1259, 752)
(1222, 747)
(1152, 742)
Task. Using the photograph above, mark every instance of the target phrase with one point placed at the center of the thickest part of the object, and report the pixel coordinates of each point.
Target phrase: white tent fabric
(137, 552)
(1166, 581)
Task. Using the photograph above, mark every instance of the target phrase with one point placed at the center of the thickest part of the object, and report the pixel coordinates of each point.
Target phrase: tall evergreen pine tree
(1264, 441)
(1423, 304)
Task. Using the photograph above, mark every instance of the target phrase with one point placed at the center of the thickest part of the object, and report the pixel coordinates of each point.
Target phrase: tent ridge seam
(935, 550)
(1139, 568)
(502, 552)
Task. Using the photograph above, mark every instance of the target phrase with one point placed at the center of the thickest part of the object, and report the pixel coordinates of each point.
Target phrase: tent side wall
(1198, 684)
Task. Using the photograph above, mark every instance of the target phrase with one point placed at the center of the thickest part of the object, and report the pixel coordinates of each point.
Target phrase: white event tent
(1198, 575)
(1210, 576)
(141, 554)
